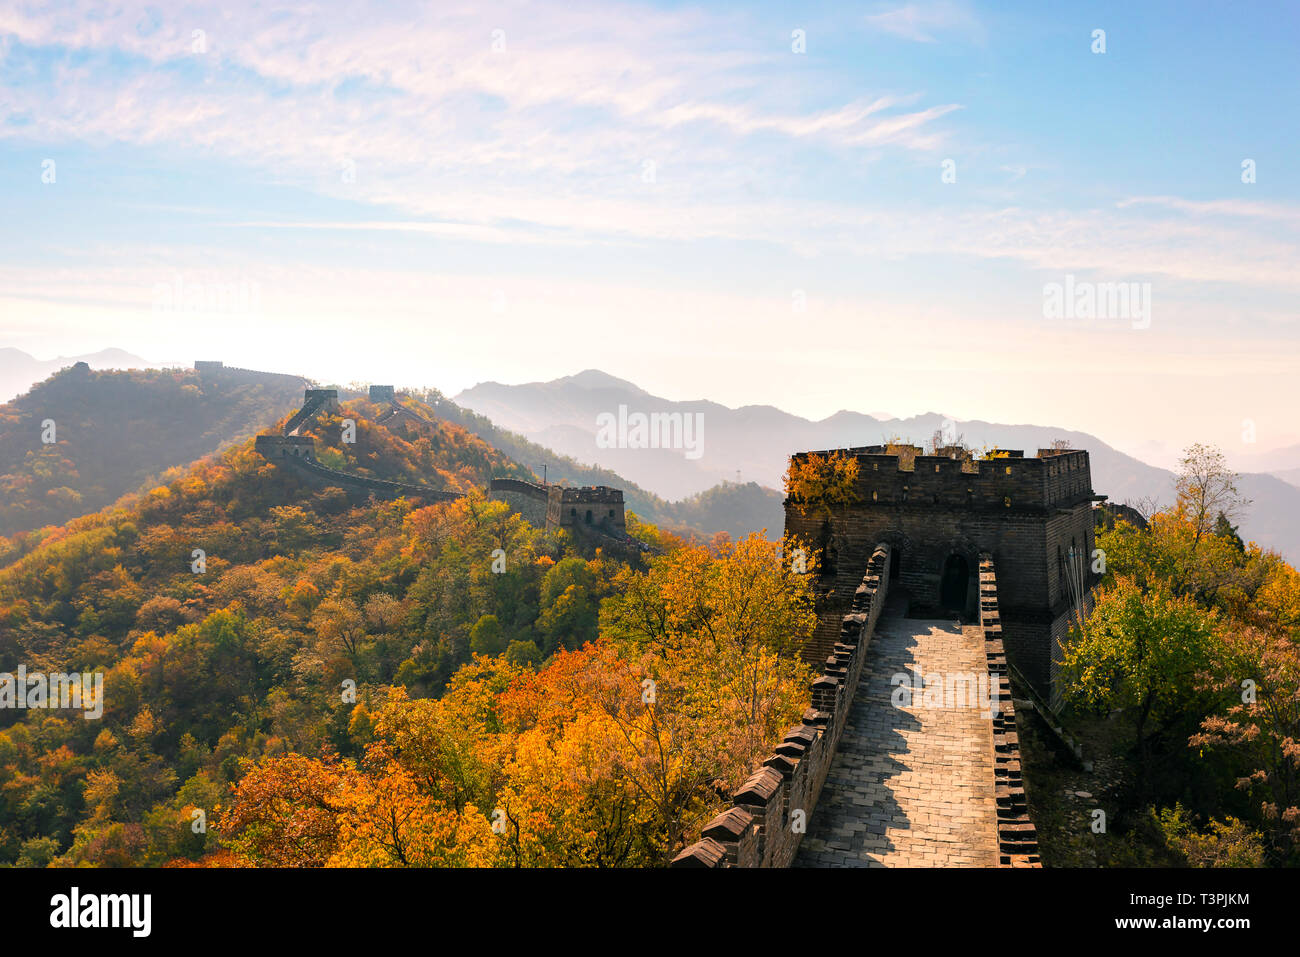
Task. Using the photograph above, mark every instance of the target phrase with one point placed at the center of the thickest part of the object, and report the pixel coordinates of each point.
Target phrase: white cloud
(922, 22)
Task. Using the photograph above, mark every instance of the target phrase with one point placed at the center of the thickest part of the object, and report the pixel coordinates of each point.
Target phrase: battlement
(218, 374)
(600, 494)
(1051, 479)
(756, 830)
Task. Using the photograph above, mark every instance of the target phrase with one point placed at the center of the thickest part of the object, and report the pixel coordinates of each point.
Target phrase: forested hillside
(1184, 684)
(291, 677)
(110, 432)
(80, 439)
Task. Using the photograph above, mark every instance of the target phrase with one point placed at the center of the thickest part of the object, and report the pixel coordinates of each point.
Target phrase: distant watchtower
(938, 513)
(382, 393)
(598, 507)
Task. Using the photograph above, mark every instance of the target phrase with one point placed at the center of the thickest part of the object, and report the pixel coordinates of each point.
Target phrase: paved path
(910, 786)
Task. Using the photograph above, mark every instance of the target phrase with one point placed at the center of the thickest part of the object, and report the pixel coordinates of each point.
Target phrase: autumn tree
(284, 812)
(821, 483)
(1259, 674)
(1206, 489)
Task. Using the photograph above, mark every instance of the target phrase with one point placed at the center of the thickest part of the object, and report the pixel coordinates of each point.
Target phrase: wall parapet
(530, 489)
(1017, 837)
(1011, 481)
(756, 830)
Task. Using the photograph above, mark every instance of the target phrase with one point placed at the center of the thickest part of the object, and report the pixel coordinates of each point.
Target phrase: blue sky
(671, 193)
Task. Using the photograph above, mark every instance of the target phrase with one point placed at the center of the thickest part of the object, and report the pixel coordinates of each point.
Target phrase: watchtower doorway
(953, 585)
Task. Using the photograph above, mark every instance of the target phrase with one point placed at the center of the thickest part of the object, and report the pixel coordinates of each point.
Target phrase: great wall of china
(942, 581)
(596, 513)
(909, 754)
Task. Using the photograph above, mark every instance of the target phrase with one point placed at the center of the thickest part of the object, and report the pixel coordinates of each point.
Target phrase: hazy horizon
(1150, 454)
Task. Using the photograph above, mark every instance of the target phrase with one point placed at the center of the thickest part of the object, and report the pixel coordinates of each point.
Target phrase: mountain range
(752, 443)
(552, 428)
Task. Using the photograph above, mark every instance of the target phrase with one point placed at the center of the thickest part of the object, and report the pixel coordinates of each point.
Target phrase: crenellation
(792, 777)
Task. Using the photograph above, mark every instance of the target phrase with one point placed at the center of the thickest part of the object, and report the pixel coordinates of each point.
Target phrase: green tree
(524, 654)
(1141, 653)
(486, 637)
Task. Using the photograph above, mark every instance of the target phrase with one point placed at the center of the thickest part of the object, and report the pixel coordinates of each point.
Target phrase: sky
(864, 206)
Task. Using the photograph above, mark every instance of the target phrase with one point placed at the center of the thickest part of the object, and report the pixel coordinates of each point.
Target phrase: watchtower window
(873, 496)
(611, 513)
(936, 466)
(588, 516)
(1006, 502)
(875, 466)
(1008, 469)
(573, 513)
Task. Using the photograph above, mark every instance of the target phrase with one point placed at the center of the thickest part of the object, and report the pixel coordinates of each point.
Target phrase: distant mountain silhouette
(752, 443)
(1290, 476)
(735, 508)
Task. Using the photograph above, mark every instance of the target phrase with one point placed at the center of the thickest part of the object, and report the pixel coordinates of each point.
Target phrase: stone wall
(1017, 839)
(216, 374)
(526, 498)
(298, 453)
(1028, 513)
(314, 400)
(594, 505)
(771, 810)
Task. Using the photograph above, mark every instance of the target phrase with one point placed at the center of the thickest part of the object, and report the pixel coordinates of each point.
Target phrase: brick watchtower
(596, 506)
(938, 513)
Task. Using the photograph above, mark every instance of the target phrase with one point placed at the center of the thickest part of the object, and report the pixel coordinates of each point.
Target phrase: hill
(226, 606)
(113, 430)
(20, 371)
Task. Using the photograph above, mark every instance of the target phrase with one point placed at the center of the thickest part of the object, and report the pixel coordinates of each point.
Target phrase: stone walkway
(909, 786)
